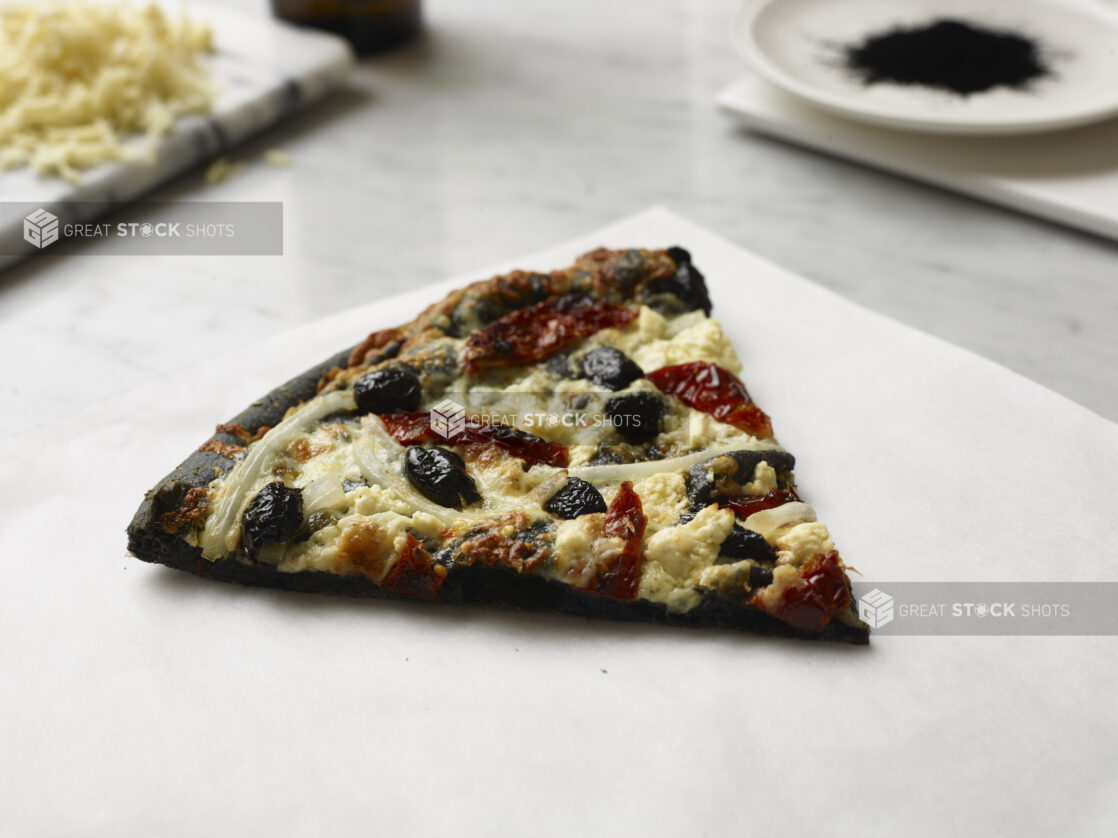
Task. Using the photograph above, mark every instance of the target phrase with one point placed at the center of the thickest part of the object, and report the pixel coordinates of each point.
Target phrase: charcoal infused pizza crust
(671, 536)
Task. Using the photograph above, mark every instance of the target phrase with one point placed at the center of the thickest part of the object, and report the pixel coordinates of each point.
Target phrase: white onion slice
(222, 532)
(770, 520)
(376, 469)
(639, 471)
(325, 493)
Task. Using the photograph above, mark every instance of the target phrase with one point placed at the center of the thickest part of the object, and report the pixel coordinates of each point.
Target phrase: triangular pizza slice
(576, 441)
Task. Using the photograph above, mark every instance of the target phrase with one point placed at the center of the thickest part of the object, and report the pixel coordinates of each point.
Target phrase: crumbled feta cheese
(799, 543)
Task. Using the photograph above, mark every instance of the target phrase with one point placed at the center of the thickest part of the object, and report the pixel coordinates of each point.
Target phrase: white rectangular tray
(1070, 177)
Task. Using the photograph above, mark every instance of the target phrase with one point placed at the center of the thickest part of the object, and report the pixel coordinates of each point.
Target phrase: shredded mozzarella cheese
(76, 79)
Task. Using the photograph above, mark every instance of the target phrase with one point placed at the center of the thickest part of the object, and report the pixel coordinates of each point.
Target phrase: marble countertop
(510, 127)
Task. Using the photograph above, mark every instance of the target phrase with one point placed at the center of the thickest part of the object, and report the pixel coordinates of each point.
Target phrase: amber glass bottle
(370, 25)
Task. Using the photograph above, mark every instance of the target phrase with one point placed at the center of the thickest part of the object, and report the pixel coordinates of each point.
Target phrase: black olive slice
(391, 390)
(272, 517)
(440, 476)
(739, 544)
(746, 544)
(576, 498)
(610, 368)
(687, 283)
(760, 577)
(635, 416)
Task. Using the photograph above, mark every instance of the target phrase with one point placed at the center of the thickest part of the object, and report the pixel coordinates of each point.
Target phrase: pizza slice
(577, 441)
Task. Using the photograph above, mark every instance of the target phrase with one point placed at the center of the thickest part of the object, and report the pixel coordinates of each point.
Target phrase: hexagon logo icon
(40, 228)
(448, 418)
(875, 608)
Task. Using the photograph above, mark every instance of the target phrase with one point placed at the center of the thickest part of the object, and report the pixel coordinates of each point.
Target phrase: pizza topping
(576, 498)
(223, 529)
(636, 416)
(528, 447)
(739, 544)
(389, 390)
(529, 335)
(735, 473)
(440, 475)
(682, 558)
(240, 433)
(409, 428)
(218, 447)
(745, 507)
(745, 544)
(687, 283)
(759, 576)
(188, 513)
(415, 575)
(641, 470)
(272, 517)
(475, 437)
(377, 347)
(714, 390)
(510, 541)
(769, 521)
(315, 522)
(324, 493)
(809, 596)
(302, 451)
(560, 365)
(625, 520)
(680, 256)
(610, 368)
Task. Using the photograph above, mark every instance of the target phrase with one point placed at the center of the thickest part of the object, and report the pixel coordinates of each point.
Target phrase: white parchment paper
(137, 700)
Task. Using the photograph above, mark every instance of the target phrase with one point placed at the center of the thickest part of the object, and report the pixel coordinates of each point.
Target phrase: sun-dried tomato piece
(476, 437)
(528, 447)
(409, 428)
(415, 574)
(529, 335)
(745, 506)
(809, 603)
(625, 520)
(714, 390)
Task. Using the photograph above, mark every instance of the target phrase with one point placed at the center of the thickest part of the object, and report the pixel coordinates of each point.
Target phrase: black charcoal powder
(947, 54)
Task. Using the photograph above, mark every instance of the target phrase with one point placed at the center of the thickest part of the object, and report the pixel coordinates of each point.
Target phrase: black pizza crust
(151, 540)
(148, 536)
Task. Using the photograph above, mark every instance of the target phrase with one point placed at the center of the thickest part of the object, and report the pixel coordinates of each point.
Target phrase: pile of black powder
(947, 54)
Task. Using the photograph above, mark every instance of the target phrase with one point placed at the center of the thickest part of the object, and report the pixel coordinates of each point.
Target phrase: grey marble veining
(513, 126)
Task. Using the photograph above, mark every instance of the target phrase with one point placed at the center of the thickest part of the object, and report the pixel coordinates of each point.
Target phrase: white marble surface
(514, 126)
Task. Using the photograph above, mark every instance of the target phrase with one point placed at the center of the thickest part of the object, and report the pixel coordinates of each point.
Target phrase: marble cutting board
(265, 71)
(1070, 177)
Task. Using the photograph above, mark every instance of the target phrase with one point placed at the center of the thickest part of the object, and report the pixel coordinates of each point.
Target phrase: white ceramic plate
(797, 44)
